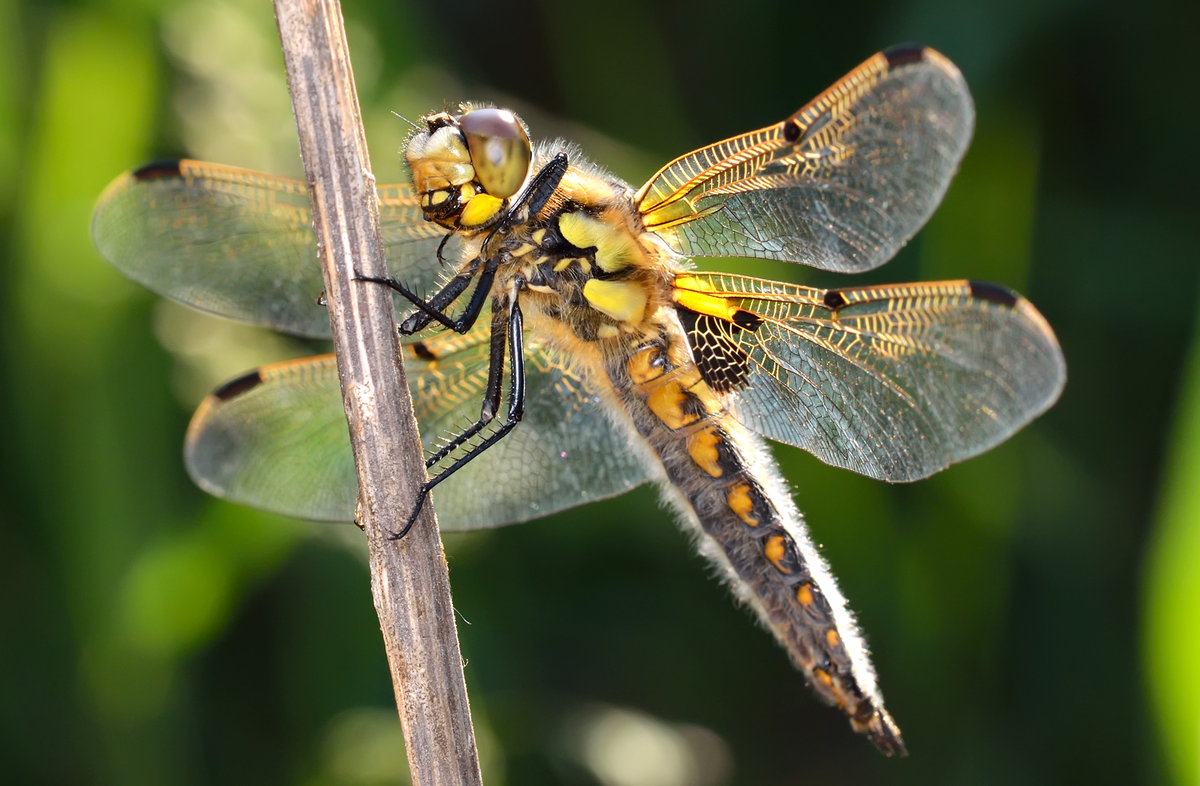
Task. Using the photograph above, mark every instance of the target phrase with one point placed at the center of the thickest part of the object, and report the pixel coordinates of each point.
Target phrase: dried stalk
(408, 578)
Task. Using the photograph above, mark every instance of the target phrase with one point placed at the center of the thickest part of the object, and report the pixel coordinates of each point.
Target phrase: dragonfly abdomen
(724, 482)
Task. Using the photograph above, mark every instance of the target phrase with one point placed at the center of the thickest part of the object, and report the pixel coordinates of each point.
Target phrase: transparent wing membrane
(565, 451)
(893, 382)
(240, 244)
(840, 185)
(277, 439)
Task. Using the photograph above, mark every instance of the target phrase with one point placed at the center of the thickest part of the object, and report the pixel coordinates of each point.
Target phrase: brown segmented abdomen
(723, 480)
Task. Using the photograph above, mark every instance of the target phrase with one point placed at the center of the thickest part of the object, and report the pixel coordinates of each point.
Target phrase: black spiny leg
(491, 395)
(434, 309)
(441, 301)
(511, 327)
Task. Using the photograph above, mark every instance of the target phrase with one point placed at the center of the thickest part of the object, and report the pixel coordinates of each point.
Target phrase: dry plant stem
(408, 578)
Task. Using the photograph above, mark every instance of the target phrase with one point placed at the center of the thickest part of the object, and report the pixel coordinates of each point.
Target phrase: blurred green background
(1034, 613)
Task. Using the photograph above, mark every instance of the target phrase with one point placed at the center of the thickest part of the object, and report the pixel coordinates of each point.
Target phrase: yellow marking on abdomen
(695, 384)
(739, 501)
(666, 402)
(645, 365)
(834, 686)
(702, 447)
(804, 594)
(775, 550)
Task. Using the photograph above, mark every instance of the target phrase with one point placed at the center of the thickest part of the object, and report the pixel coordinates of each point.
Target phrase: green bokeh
(1034, 613)
(1172, 602)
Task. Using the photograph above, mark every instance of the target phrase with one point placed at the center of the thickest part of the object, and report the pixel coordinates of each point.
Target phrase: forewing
(840, 185)
(894, 382)
(240, 244)
(277, 439)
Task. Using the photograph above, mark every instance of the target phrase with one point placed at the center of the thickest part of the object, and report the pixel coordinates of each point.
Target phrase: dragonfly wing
(564, 452)
(893, 382)
(840, 185)
(240, 244)
(277, 439)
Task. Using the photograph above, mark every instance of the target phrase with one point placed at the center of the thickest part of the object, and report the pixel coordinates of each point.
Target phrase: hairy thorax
(591, 279)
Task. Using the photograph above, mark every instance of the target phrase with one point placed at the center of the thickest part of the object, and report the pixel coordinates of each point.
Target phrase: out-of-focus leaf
(1172, 592)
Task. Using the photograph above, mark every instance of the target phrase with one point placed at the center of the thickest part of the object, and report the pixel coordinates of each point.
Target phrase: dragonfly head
(466, 166)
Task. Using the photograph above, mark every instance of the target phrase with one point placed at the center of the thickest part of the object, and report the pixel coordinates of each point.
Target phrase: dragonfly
(570, 350)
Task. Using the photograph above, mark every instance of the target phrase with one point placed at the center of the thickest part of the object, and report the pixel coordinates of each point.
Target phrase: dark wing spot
(421, 351)
(157, 170)
(834, 300)
(722, 363)
(993, 293)
(904, 54)
(236, 387)
(791, 130)
(747, 320)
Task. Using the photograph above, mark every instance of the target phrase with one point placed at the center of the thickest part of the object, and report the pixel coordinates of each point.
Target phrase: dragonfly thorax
(466, 167)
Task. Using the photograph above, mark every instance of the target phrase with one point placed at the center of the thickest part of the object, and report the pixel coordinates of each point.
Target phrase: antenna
(406, 120)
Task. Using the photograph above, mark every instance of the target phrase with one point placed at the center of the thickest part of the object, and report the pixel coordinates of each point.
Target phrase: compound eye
(499, 150)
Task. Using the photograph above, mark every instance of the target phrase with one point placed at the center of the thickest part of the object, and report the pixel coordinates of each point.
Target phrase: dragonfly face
(568, 295)
(465, 167)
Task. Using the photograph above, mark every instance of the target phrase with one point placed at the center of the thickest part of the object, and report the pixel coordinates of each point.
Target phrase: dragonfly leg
(442, 300)
(542, 187)
(491, 396)
(511, 326)
(432, 310)
(532, 200)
